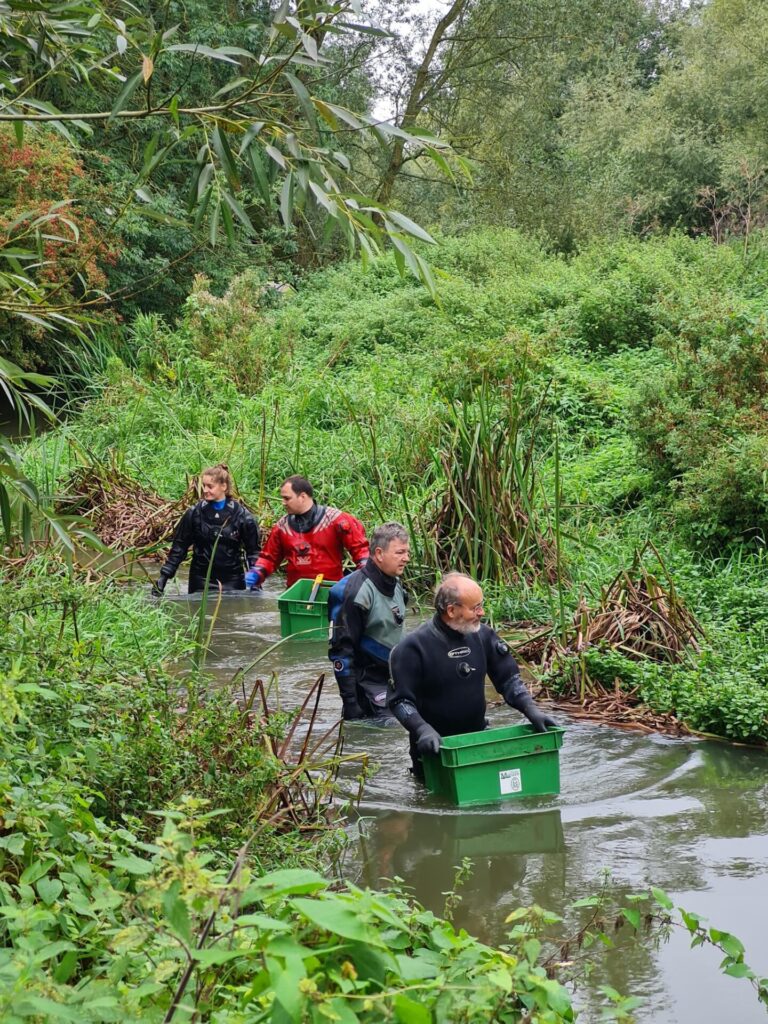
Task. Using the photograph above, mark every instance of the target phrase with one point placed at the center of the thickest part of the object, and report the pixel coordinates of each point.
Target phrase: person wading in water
(221, 532)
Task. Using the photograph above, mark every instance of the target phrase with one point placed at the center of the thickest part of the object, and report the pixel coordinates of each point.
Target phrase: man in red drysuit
(310, 538)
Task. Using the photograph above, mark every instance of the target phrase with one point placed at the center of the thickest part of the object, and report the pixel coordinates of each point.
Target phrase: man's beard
(465, 628)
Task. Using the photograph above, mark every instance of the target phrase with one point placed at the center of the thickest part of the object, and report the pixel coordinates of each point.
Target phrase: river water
(688, 816)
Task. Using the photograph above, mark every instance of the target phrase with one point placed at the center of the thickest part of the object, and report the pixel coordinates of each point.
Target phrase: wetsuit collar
(303, 522)
(384, 583)
(445, 629)
(224, 503)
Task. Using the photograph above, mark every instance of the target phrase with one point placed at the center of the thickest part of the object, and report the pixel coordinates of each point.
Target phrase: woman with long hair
(222, 533)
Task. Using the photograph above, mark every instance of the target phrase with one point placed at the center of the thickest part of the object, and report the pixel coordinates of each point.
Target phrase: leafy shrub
(52, 210)
(703, 426)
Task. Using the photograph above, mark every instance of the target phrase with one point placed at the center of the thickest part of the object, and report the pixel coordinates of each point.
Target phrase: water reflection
(425, 851)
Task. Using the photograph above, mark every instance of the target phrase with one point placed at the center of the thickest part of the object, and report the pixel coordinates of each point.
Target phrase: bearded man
(437, 684)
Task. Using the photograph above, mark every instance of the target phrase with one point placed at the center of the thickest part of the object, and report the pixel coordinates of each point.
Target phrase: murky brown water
(688, 816)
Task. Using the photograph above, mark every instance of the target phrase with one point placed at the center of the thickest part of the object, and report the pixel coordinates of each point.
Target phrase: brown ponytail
(220, 473)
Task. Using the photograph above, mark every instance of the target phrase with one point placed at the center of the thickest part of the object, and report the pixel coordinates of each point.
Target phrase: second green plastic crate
(496, 764)
(299, 617)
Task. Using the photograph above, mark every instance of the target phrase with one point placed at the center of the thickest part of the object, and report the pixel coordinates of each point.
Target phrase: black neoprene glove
(537, 718)
(159, 585)
(428, 740)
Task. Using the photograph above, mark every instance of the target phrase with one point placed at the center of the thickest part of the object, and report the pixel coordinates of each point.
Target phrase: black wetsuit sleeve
(405, 669)
(251, 538)
(504, 672)
(182, 541)
(348, 628)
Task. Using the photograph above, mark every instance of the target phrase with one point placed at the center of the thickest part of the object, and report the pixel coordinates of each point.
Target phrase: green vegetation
(644, 360)
(572, 409)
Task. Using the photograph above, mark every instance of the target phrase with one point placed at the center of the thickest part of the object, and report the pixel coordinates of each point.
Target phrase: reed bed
(490, 518)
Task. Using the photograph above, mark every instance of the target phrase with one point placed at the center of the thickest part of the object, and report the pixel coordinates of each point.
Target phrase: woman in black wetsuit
(217, 528)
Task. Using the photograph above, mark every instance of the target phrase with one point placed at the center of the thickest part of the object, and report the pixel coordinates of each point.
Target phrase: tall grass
(489, 511)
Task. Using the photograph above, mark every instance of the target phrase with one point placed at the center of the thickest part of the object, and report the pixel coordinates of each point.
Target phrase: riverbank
(537, 429)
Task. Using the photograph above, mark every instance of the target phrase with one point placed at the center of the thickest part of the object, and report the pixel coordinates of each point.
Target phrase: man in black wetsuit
(438, 672)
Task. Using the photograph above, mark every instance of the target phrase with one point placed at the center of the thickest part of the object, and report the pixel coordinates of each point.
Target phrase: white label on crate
(510, 782)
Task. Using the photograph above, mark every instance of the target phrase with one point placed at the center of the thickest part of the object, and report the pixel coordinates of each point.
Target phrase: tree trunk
(417, 98)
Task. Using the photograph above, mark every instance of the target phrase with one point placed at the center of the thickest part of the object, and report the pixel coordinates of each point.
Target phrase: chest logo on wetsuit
(303, 552)
(459, 652)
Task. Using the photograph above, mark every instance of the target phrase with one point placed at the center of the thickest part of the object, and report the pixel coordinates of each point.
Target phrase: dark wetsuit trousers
(372, 691)
(197, 583)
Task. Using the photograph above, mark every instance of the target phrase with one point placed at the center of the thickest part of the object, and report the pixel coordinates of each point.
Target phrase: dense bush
(53, 212)
(703, 423)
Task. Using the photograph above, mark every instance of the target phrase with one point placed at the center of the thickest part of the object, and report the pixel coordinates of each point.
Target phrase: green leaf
(229, 227)
(416, 968)
(124, 95)
(409, 1012)
(633, 916)
(276, 156)
(662, 899)
(323, 199)
(367, 30)
(326, 108)
(287, 881)
(133, 865)
(49, 890)
(342, 1012)
(37, 870)
(727, 942)
(54, 949)
(263, 922)
(690, 920)
(214, 957)
(259, 174)
(224, 153)
(739, 970)
(286, 200)
(66, 967)
(239, 212)
(213, 227)
(302, 95)
(176, 912)
(409, 226)
(198, 50)
(30, 1005)
(13, 843)
(337, 917)
(286, 978)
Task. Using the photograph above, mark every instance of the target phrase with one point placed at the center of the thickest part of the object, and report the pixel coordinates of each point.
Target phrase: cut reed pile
(636, 616)
(124, 513)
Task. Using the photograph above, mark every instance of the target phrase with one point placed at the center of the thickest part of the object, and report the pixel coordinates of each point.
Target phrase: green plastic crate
(496, 764)
(297, 616)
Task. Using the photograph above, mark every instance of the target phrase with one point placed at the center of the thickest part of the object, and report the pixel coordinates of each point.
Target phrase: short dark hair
(300, 485)
(383, 535)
